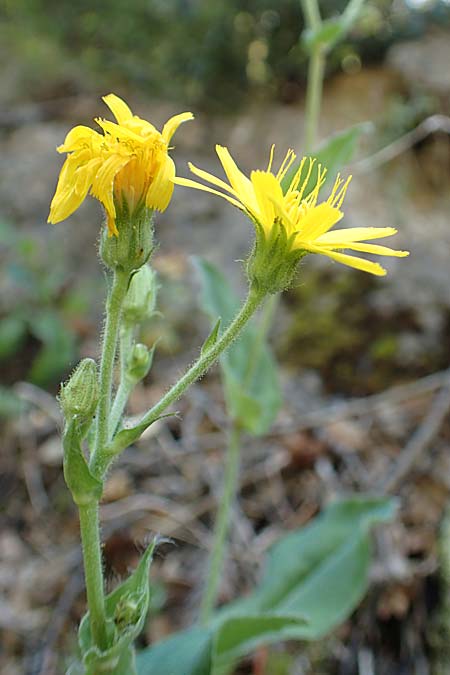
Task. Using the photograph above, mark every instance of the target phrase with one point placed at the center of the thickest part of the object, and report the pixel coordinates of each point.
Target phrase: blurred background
(345, 341)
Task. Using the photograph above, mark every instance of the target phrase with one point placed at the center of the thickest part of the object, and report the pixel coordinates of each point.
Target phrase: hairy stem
(93, 572)
(202, 364)
(125, 385)
(113, 314)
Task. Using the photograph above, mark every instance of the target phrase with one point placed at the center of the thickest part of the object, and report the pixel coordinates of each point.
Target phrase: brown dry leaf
(304, 449)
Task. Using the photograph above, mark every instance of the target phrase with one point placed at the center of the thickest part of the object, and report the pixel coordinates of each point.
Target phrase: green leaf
(334, 153)
(240, 636)
(212, 337)
(328, 32)
(250, 377)
(186, 653)
(83, 486)
(125, 437)
(314, 578)
(126, 610)
(320, 571)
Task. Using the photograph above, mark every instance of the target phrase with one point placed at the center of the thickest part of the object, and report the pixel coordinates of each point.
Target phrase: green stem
(113, 315)
(316, 71)
(93, 572)
(222, 525)
(311, 13)
(125, 385)
(232, 472)
(202, 364)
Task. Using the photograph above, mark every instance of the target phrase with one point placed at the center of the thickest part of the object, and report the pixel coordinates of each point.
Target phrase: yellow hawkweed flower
(128, 165)
(306, 223)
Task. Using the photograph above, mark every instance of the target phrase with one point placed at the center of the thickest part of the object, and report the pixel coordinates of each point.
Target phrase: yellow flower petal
(79, 137)
(351, 261)
(119, 108)
(187, 182)
(238, 181)
(161, 187)
(211, 179)
(267, 191)
(318, 220)
(124, 167)
(172, 125)
(349, 234)
(371, 248)
(103, 183)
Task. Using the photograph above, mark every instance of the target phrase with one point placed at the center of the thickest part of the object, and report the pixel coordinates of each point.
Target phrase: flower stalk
(110, 337)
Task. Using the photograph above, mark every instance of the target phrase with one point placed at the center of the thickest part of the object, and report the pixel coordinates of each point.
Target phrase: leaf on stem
(125, 437)
(84, 487)
(126, 611)
(212, 338)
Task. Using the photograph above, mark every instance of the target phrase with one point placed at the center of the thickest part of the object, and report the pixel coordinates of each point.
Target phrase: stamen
(296, 179)
(269, 166)
(285, 165)
(312, 161)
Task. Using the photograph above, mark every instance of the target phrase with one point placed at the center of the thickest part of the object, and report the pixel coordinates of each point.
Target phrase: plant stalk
(316, 71)
(109, 348)
(231, 478)
(206, 360)
(93, 572)
(125, 385)
(222, 524)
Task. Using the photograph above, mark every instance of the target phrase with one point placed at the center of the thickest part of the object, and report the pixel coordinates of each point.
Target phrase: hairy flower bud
(139, 362)
(79, 395)
(140, 300)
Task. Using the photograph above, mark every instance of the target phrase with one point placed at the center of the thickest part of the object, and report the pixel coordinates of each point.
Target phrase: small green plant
(313, 577)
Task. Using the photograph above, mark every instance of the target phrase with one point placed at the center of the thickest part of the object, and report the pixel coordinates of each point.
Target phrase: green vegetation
(204, 53)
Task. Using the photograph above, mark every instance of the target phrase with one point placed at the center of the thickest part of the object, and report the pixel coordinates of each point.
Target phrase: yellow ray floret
(127, 163)
(298, 209)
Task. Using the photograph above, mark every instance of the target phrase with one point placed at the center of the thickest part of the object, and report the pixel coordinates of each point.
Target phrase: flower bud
(133, 245)
(139, 362)
(79, 395)
(140, 300)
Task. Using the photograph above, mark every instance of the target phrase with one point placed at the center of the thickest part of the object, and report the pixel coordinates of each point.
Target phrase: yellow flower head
(306, 222)
(126, 165)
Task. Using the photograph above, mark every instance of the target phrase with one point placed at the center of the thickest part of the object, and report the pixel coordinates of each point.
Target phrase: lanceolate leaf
(314, 578)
